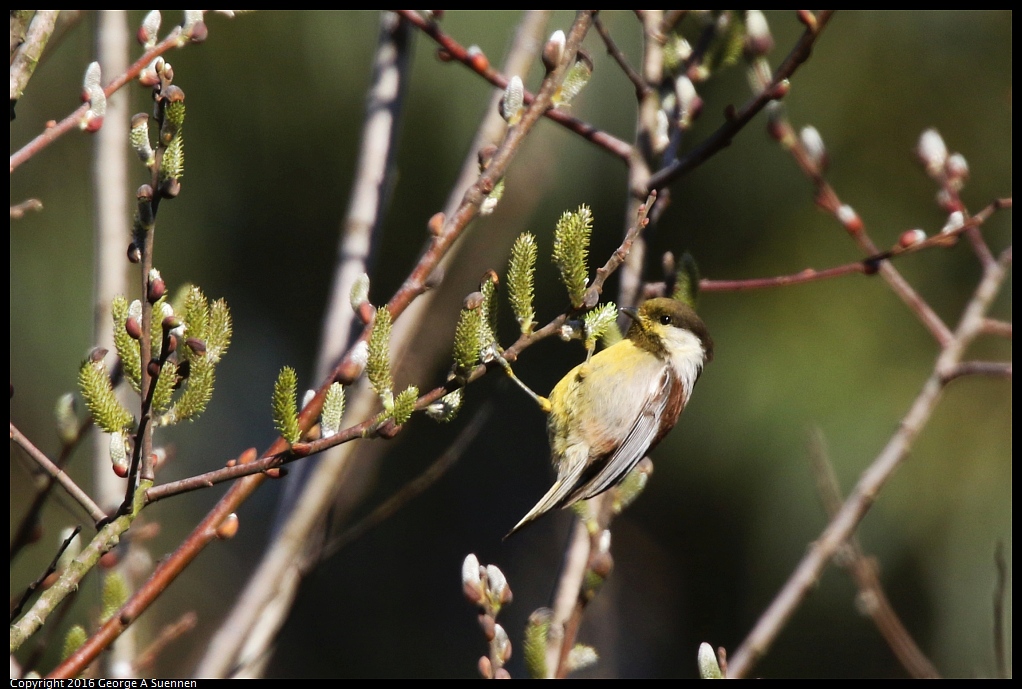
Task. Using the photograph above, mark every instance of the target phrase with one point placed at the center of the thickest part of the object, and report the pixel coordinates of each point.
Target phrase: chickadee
(608, 412)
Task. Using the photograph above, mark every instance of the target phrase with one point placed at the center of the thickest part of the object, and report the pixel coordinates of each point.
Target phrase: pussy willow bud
(553, 51)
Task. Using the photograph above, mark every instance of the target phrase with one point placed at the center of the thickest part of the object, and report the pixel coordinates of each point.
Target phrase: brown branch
(859, 501)
(80, 496)
(167, 635)
(996, 369)
(641, 86)
(992, 326)
(454, 50)
(737, 121)
(864, 571)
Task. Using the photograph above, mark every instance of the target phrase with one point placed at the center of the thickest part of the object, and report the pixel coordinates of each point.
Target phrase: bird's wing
(612, 470)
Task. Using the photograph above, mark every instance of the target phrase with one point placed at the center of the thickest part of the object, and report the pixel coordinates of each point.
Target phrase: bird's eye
(665, 319)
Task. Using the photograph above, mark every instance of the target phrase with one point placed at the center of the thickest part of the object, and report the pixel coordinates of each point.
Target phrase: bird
(608, 412)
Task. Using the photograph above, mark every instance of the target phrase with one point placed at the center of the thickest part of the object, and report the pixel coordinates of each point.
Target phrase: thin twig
(641, 86)
(80, 496)
(166, 636)
(18, 210)
(995, 369)
(859, 501)
(50, 569)
(863, 569)
(992, 326)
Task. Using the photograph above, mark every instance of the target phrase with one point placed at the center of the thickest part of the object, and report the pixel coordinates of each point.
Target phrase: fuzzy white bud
(954, 222)
(514, 97)
(932, 151)
(359, 292)
(813, 144)
(150, 28)
(360, 354)
(957, 166)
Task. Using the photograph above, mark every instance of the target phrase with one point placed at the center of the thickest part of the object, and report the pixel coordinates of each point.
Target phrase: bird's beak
(630, 312)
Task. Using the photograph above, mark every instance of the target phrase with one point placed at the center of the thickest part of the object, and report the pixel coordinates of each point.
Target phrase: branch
(50, 569)
(25, 57)
(805, 576)
(641, 86)
(864, 571)
(80, 496)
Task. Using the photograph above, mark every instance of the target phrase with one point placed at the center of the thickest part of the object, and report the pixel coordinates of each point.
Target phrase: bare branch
(859, 501)
(872, 598)
(72, 488)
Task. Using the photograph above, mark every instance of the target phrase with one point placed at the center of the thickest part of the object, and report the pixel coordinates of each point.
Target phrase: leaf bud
(436, 224)
(477, 59)
(228, 527)
(133, 328)
(149, 29)
(707, 662)
(157, 287)
(910, 238)
(93, 94)
(359, 293)
(485, 667)
(758, 40)
(514, 98)
(957, 167)
(954, 222)
(847, 216)
(932, 152)
(488, 625)
(471, 579)
(814, 147)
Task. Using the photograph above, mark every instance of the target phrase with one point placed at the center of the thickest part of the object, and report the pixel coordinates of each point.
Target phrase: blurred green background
(275, 102)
